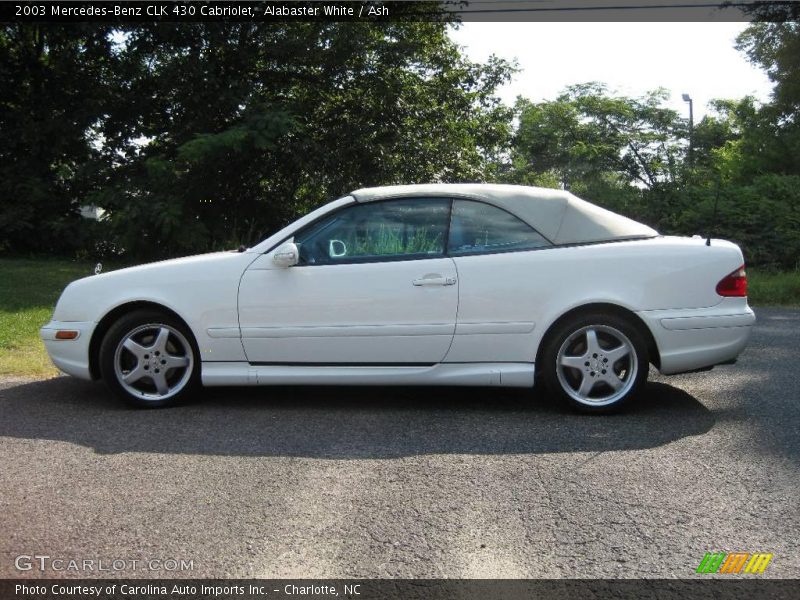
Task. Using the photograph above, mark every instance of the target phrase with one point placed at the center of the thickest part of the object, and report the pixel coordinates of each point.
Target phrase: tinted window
(389, 230)
(477, 227)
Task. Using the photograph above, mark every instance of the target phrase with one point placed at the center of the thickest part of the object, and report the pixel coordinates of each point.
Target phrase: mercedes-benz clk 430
(441, 284)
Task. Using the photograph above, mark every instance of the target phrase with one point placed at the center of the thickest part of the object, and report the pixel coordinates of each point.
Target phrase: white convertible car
(463, 284)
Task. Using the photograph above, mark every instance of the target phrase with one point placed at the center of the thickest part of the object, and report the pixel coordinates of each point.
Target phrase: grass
(29, 289)
(771, 288)
(28, 293)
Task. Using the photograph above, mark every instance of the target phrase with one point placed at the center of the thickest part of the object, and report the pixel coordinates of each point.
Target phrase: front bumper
(696, 338)
(70, 356)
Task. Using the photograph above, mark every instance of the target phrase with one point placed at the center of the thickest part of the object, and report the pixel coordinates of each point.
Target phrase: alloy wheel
(597, 365)
(153, 362)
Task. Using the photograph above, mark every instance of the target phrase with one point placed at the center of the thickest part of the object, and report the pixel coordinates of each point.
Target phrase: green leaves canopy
(207, 135)
(202, 136)
(587, 134)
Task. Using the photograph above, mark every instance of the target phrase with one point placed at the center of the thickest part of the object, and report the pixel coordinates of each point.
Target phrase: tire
(595, 362)
(150, 359)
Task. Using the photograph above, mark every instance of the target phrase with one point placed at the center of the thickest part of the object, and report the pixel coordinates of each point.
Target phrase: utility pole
(687, 98)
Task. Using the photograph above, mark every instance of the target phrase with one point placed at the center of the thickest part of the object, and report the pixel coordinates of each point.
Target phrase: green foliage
(202, 136)
(52, 94)
(206, 135)
(773, 288)
(762, 216)
(589, 136)
(251, 124)
(775, 47)
(629, 155)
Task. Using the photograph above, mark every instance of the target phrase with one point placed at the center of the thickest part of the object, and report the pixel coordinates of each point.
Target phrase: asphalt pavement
(407, 482)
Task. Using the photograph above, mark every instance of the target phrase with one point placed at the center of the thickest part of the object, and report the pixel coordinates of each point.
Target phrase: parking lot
(414, 482)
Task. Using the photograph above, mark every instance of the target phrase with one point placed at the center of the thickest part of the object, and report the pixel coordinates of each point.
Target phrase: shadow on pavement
(343, 423)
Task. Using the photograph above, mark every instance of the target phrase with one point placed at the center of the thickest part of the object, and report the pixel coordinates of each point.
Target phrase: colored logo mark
(734, 562)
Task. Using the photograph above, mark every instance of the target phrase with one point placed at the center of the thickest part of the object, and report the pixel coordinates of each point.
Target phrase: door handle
(434, 279)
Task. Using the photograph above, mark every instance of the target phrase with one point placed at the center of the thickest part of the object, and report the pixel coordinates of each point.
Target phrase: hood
(171, 264)
(156, 282)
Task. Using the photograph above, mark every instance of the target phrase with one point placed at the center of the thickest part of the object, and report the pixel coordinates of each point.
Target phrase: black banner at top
(175, 11)
(141, 11)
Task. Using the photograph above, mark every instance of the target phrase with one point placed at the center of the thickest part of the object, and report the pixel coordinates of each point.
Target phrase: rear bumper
(70, 356)
(696, 338)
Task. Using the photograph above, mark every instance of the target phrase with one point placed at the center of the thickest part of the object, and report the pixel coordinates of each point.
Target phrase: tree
(773, 43)
(588, 135)
(248, 124)
(206, 135)
(53, 91)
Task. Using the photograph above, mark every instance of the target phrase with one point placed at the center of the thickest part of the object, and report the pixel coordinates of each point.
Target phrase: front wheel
(595, 362)
(149, 359)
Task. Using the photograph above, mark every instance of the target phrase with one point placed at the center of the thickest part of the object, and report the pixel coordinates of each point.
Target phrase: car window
(386, 230)
(477, 228)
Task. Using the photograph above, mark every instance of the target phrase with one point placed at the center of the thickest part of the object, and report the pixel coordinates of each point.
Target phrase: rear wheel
(149, 359)
(595, 362)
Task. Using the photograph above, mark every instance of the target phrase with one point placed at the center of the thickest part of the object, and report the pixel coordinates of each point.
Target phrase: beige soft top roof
(560, 216)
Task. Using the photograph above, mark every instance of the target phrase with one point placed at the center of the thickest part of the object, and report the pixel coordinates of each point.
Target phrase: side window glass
(384, 230)
(477, 228)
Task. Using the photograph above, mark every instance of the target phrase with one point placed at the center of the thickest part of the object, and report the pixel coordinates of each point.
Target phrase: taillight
(734, 284)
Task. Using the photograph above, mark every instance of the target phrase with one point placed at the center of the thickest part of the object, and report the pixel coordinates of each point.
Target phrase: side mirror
(286, 255)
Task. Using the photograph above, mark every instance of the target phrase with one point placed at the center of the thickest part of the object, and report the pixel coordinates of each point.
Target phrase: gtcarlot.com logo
(734, 562)
(42, 562)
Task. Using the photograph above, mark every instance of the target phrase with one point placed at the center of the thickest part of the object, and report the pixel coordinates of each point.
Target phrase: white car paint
(201, 289)
(362, 313)
(670, 274)
(481, 324)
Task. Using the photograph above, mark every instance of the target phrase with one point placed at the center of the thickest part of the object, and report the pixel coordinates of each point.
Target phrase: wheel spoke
(161, 341)
(576, 362)
(160, 381)
(134, 375)
(134, 348)
(175, 362)
(611, 379)
(586, 386)
(592, 345)
(617, 353)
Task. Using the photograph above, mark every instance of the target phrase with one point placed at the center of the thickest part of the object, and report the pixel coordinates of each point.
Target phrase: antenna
(714, 216)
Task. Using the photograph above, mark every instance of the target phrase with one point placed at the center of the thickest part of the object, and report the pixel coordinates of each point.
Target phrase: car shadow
(344, 422)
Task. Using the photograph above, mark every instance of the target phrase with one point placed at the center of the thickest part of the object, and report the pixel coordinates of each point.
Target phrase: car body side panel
(696, 338)
(539, 286)
(202, 290)
(355, 312)
(477, 374)
(70, 356)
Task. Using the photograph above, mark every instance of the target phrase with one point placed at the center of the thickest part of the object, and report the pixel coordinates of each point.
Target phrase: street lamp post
(687, 98)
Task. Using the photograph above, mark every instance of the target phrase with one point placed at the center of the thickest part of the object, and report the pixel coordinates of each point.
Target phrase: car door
(496, 255)
(373, 286)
